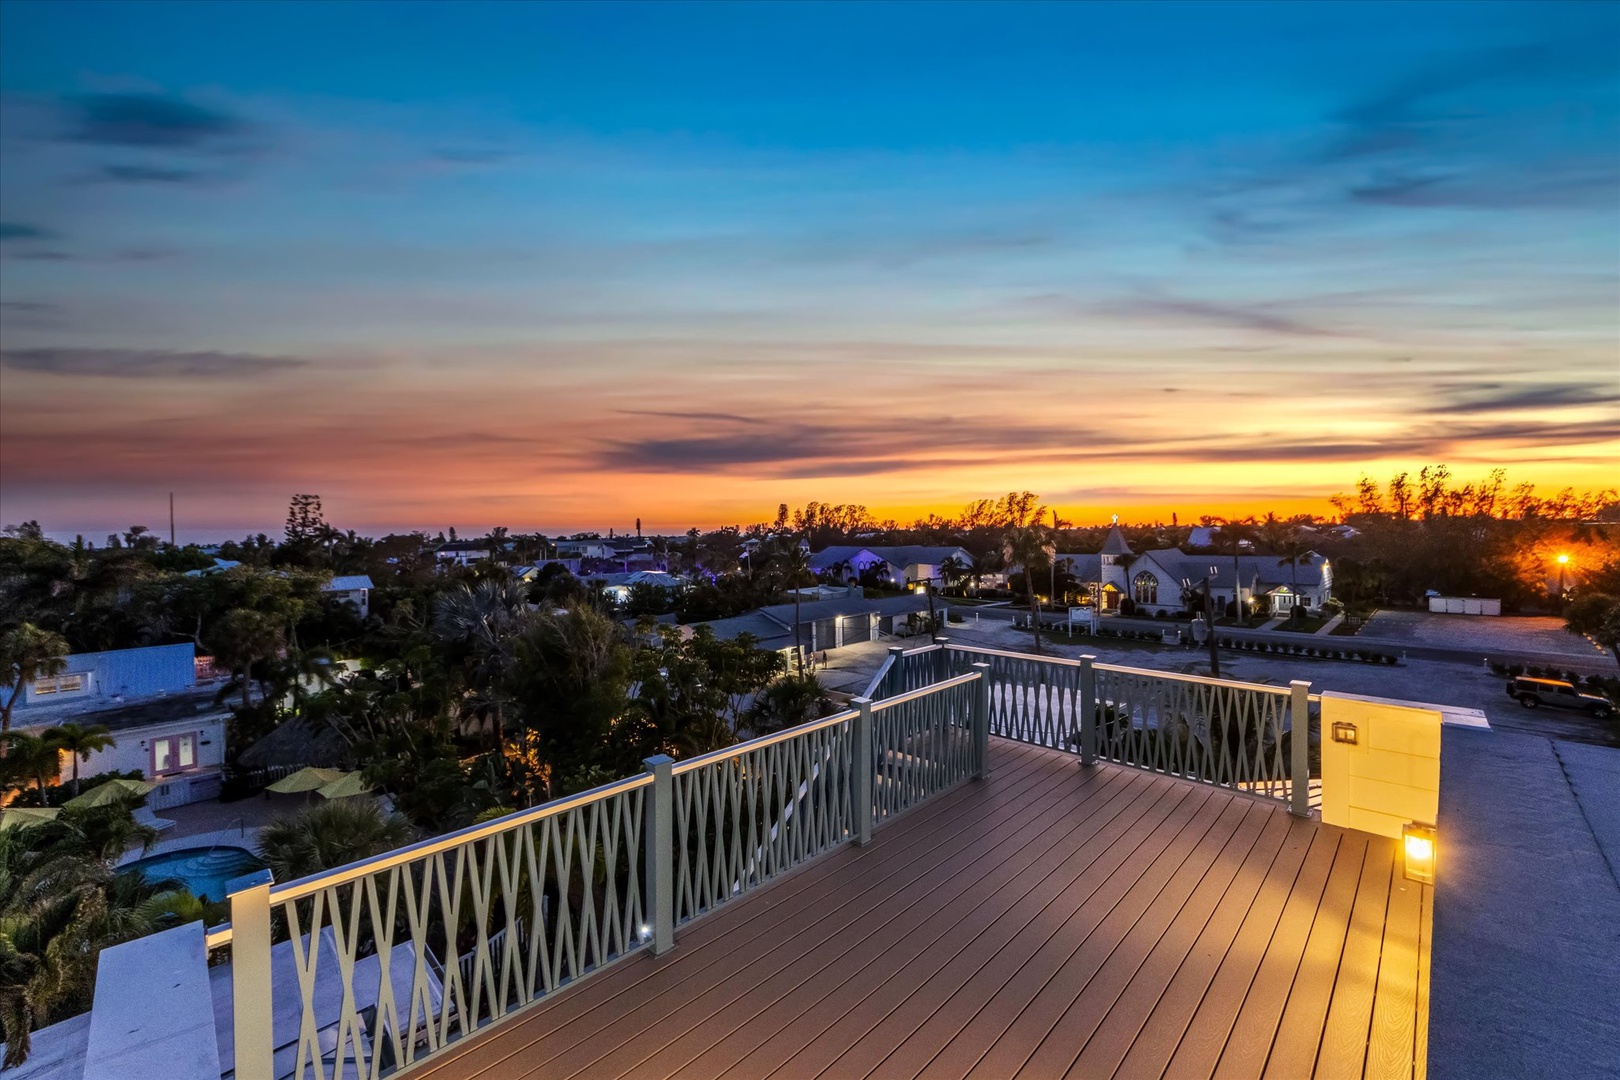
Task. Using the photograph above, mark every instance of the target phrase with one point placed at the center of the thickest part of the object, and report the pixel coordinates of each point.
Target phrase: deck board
(1052, 919)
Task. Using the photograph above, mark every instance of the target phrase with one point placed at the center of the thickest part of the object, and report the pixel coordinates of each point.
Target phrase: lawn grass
(1308, 625)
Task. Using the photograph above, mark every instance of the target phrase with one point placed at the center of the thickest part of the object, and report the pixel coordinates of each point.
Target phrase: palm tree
(1294, 554)
(30, 759)
(954, 571)
(1237, 533)
(983, 565)
(792, 562)
(61, 903)
(1031, 547)
(80, 741)
(27, 653)
(329, 835)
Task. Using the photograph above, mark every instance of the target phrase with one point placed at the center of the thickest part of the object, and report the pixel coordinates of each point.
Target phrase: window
(1146, 588)
(174, 753)
(61, 684)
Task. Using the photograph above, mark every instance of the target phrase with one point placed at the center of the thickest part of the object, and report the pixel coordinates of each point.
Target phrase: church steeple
(1115, 545)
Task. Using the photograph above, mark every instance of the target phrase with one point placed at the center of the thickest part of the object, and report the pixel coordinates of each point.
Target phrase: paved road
(1510, 639)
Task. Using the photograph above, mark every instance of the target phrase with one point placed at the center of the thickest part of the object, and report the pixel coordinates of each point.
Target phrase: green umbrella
(308, 778)
(13, 816)
(110, 794)
(348, 785)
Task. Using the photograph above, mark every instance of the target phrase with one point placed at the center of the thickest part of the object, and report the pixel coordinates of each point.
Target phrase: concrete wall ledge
(154, 1014)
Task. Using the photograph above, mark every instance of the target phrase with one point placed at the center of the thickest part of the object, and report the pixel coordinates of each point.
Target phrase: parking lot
(1482, 633)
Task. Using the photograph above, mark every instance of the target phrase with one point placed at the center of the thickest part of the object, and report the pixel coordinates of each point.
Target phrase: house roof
(640, 577)
(348, 583)
(901, 555)
(119, 716)
(1269, 571)
(465, 545)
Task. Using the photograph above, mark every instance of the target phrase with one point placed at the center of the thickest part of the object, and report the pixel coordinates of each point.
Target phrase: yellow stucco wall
(1391, 775)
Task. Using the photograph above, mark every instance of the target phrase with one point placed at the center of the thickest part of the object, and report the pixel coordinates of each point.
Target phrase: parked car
(1557, 694)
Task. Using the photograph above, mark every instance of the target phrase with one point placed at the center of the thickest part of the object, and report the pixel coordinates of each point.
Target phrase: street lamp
(1563, 561)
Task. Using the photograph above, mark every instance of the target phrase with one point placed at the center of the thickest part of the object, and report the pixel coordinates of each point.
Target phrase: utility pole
(1209, 617)
(171, 520)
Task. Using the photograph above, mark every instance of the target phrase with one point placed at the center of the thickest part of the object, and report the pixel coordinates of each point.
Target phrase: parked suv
(1558, 694)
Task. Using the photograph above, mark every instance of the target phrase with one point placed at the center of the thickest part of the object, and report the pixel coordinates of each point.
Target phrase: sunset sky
(559, 267)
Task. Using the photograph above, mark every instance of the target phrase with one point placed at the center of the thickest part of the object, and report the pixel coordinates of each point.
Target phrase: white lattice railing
(369, 969)
(1230, 734)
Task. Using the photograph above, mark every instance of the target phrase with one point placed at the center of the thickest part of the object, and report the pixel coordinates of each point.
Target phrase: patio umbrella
(308, 778)
(349, 784)
(110, 793)
(13, 816)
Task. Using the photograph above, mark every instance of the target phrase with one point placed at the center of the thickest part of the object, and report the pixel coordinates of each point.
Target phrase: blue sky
(566, 265)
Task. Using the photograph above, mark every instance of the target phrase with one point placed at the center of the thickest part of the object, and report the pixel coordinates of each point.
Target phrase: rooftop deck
(1053, 920)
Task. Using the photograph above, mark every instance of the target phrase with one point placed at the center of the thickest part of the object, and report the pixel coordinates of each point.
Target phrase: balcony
(996, 865)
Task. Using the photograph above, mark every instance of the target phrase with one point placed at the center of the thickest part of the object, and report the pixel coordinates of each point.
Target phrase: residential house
(617, 586)
(527, 574)
(902, 565)
(825, 625)
(351, 589)
(164, 723)
(586, 549)
(464, 552)
(1153, 579)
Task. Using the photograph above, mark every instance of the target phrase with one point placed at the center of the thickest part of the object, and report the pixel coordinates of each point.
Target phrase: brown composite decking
(1051, 921)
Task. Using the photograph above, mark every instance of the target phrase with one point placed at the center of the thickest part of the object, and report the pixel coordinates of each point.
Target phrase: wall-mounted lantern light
(1418, 850)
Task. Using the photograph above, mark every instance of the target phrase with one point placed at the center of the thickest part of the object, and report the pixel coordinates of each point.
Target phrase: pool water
(203, 870)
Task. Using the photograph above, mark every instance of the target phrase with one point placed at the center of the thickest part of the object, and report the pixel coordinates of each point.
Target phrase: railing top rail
(924, 691)
(308, 886)
(1063, 661)
(760, 743)
(921, 649)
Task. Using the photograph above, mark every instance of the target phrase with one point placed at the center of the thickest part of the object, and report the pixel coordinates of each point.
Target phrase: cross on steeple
(1116, 519)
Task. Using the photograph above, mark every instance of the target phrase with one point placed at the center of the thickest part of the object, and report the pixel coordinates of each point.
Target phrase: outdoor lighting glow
(1418, 847)
(1563, 560)
(646, 931)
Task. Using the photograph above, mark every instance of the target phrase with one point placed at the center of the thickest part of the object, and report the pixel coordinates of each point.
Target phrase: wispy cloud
(1264, 318)
(146, 174)
(147, 364)
(16, 230)
(150, 121)
(1486, 398)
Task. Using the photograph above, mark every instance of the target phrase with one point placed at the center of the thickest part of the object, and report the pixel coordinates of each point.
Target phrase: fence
(368, 969)
(1229, 734)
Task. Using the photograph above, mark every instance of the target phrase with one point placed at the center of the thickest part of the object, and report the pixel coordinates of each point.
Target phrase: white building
(352, 589)
(164, 724)
(1153, 580)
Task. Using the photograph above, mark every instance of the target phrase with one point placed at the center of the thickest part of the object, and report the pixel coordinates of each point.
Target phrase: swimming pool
(203, 870)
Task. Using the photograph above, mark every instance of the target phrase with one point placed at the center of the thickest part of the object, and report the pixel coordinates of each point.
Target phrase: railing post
(981, 723)
(250, 982)
(863, 762)
(942, 659)
(895, 681)
(1089, 706)
(1299, 746)
(659, 838)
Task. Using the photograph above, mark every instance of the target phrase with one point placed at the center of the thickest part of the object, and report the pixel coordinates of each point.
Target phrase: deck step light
(1417, 845)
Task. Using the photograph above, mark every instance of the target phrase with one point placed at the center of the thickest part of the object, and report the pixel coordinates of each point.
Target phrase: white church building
(1153, 580)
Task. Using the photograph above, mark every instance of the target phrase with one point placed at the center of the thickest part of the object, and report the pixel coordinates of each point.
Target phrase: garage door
(857, 628)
